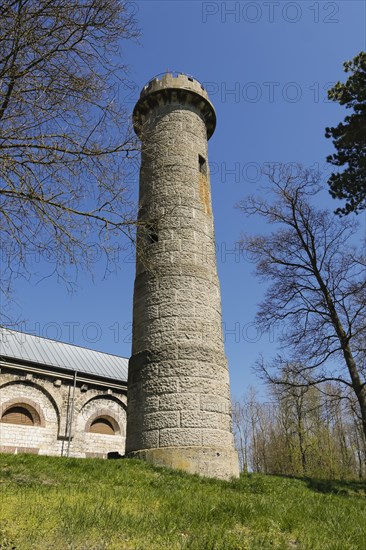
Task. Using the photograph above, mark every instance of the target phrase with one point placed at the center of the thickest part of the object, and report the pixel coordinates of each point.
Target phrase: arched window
(21, 414)
(102, 425)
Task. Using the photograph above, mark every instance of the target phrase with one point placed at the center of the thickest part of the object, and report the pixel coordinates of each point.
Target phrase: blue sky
(267, 66)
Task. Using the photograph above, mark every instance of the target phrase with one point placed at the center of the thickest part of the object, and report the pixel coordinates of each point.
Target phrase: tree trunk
(358, 387)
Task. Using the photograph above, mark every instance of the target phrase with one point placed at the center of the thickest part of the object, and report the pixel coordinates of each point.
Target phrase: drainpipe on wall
(71, 415)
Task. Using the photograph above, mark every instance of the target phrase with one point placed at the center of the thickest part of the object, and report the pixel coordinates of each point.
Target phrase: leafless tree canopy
(64, 136)
(317, 290)
(301, 431)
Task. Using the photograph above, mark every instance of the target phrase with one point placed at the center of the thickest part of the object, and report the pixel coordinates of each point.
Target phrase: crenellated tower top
(168, 88)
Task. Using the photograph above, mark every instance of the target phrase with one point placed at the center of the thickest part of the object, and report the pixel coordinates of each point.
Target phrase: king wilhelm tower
(179, 409)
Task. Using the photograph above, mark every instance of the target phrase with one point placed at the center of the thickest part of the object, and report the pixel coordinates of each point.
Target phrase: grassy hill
(58, 503)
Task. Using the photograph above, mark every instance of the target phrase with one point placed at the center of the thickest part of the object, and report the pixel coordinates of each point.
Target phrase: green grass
(58, 503)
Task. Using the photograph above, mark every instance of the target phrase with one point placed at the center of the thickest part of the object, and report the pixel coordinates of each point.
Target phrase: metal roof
(51, 353)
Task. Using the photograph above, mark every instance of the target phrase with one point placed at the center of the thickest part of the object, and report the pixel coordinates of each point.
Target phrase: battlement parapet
(174, 80)
(178, 88)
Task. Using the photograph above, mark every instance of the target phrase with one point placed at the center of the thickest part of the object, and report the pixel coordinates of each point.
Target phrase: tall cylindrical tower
(179, 409)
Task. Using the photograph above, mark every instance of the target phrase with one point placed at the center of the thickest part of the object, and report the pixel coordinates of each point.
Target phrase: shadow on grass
(338, 487)
(334, 486)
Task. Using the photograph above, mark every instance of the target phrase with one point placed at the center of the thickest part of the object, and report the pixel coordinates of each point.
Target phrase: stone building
(60, 399)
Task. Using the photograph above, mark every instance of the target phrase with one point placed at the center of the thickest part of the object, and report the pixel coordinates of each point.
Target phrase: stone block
(179, 402)
(160, 420)
(201, 419)
(180, 437)
(217, 438)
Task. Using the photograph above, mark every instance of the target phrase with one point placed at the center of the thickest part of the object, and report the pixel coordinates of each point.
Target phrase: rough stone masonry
(179, 409)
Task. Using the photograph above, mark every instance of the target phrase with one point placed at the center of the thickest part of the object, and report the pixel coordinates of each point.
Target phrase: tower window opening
(152, 232)
(202, 165)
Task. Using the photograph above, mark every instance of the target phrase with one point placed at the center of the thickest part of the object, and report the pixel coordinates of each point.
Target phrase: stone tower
(179, 410)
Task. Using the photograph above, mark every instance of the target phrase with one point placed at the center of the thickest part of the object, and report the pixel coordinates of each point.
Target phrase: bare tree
(241, 432)
(301, 430)
(64, 135)
(317, 286)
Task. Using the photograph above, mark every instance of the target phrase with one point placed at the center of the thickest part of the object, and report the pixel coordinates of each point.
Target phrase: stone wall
(51, 397)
